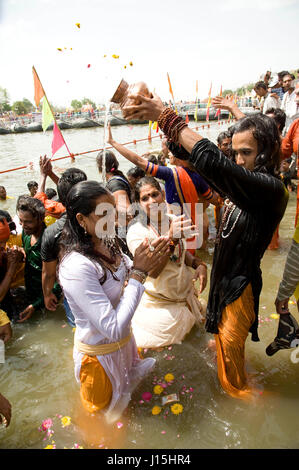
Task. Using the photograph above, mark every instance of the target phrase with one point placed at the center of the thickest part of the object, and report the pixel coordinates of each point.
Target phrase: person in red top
(290, 143)
(53, 208)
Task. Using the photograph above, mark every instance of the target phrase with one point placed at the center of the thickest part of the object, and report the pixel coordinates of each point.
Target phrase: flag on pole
(171, 92)
(150, 130)
(195, 114)
(209, 104)
(47, 115)
(38, 89)
(218, 112)
(58, 140)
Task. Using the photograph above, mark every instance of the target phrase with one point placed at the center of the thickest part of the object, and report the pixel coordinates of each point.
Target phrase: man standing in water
(31, 213)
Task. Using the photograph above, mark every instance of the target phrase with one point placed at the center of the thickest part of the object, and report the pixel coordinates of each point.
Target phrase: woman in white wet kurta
(170, 305)
(93, 273)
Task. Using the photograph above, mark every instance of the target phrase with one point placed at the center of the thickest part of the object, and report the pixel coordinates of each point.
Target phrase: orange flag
(38, 89)
(171, 92)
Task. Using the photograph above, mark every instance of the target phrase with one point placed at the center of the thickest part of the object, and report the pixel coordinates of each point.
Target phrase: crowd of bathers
(125, 258)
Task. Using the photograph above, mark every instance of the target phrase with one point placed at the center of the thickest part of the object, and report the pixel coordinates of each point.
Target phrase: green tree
(4, 100)
(227, 92)
(241, 91)
(76, 104)
(250, 86)
(19, 108)
(88, 101)
(28, 105)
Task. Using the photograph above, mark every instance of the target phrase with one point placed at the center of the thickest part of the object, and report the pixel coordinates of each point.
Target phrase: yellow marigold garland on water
(156, 410)
(177, 408)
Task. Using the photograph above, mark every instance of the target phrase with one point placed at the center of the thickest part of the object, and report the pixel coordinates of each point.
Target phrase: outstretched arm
(229, 105)
(125, 152)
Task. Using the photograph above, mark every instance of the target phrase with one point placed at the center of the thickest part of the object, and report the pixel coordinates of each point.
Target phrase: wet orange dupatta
(187, 194)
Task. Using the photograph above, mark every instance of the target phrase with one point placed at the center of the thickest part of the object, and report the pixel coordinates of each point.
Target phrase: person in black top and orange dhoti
(255, 201)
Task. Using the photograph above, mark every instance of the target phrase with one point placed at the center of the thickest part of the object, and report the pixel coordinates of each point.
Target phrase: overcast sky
(226, 42)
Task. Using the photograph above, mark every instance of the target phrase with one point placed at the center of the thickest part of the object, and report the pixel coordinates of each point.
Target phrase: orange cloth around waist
(236, 321)
(274, 244)
(96, 388)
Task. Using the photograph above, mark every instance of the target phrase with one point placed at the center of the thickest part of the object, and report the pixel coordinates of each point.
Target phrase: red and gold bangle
(171, 124)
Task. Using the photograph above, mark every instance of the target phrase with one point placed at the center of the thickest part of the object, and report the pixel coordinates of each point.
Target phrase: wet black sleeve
(49, 246)
(249, 190)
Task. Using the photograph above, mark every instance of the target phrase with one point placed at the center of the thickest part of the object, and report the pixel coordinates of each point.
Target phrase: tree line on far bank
(25, 106)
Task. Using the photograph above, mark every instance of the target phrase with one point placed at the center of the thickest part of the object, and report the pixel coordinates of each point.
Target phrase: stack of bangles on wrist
(171, 124)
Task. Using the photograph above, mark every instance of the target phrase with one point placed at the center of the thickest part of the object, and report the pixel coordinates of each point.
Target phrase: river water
(38, 378)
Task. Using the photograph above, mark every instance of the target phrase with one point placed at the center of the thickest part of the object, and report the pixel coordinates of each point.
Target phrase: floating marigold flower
(50, 446)
(169, 377)
(78, 25)
(275, 316)
(177, 408)
(131, 63)
(115, 56)
(65, 421)
(156, 410)
(59, 49)
(158, 389)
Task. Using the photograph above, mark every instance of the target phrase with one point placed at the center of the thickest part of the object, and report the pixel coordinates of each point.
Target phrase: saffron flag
(47, 115)
(38, 89)
(171, 92)
(58, 140)
(218, 112)
(209, 104)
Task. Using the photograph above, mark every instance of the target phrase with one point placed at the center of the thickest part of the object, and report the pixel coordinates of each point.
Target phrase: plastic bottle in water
(2, 352)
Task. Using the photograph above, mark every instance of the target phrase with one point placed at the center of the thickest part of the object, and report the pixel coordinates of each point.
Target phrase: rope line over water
(73, 155)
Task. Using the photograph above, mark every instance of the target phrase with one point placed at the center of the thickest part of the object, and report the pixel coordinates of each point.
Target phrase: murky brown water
(38, 376)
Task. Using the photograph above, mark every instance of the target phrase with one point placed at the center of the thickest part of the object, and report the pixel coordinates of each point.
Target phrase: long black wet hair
(81, 198)
(265, 132)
